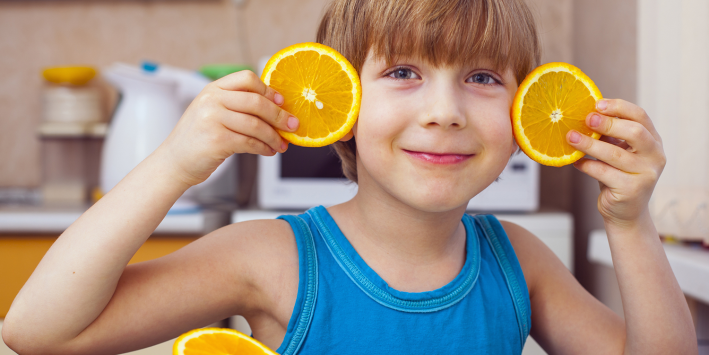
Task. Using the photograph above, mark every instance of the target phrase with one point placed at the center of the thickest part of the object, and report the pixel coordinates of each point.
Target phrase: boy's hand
(630, 159)
(235, 114)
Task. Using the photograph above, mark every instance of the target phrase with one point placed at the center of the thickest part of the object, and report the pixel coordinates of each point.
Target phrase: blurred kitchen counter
(27, 219)
(689, 264)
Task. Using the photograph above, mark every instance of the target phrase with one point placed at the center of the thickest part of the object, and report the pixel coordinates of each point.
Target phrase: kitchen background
(599, 36)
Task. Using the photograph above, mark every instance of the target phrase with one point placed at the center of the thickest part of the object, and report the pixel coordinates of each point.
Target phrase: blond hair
(440, 32)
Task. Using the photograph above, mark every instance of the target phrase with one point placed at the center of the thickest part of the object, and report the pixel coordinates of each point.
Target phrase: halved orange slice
(218, 341)
(320, 87)
(553, 99)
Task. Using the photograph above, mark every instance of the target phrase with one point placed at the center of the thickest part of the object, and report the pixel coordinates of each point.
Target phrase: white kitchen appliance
(516, 190)
(302, 178)
(152, 100)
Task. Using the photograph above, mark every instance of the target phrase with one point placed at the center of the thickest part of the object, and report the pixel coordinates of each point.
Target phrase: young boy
(398, 269)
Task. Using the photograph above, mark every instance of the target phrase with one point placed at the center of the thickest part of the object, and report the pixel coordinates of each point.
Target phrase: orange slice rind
(218, 341)
(553, 99)
(320, 87)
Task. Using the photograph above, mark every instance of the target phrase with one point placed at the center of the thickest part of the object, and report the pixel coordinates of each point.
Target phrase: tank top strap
(511, 269)
(307, 286)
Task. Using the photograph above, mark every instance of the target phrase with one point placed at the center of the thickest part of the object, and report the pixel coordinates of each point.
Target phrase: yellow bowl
(69, 75)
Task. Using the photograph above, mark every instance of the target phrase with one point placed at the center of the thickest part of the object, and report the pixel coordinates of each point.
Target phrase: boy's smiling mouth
(438, 158)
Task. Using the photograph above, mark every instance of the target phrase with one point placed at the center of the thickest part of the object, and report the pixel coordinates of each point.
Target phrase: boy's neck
(412, 250)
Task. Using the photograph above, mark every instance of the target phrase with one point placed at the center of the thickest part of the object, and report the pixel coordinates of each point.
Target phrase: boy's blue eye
(482, 78)
(403, 74)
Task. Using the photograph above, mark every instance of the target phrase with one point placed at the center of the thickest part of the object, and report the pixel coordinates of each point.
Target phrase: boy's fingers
(608, 153)
(252, 126)
(615, 141)
(244, 80)
(257, 105)
(273, 95)
(246, 144)
(633, 133)
(247, 80)
(604, 173)
(624, 109)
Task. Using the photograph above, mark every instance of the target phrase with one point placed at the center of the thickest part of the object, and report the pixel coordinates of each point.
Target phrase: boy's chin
(433, 203)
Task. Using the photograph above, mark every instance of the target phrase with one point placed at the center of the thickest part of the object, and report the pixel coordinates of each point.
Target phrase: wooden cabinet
(26, 233)
(20, 254)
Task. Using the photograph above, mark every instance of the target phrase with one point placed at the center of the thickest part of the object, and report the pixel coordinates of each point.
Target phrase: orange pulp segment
(320, 87)
(218, 341)
(553, 99)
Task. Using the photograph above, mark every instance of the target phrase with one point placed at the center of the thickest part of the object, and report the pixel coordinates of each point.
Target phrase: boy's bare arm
(234, 270)
(78, 276)
(657, 317)
(566, 319)
(630, 161)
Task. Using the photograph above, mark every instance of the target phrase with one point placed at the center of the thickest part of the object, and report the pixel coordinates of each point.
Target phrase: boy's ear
(347, 136)
(515, 147)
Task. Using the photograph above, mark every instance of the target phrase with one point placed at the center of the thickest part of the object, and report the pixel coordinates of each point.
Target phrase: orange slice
(218, 341)
(553, 99)
(320, 87)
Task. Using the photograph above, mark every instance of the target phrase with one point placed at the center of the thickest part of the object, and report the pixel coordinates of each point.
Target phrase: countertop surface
(54, 220)
(689, 264)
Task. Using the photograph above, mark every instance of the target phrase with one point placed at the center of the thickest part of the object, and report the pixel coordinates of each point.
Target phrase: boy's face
(432, 138)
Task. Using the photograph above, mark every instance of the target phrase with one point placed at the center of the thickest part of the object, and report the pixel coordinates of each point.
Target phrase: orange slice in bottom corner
(553, 99)
(218, 341)
(320, 87)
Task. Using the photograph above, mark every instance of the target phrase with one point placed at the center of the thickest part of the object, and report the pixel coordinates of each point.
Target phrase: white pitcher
(152, 100)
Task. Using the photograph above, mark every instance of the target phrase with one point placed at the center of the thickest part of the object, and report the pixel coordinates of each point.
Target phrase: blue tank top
(344, 307)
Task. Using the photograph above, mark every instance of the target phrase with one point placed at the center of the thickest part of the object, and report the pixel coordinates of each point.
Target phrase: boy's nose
(443, 109)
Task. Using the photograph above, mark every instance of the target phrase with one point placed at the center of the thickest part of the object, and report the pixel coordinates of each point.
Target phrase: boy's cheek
(377, 127)
(369, 137)
(494, 121)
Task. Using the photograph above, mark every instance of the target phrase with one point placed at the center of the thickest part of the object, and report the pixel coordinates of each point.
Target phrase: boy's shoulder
(538, 262)
(264, 240)
(277, 228)
(264, 250)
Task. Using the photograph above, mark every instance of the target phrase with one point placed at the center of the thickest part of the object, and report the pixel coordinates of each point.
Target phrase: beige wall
(555, 25)
(181, 33)
(604, 47)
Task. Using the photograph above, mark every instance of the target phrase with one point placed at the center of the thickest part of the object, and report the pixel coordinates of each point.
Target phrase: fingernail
(273, 151)
(278, 99)
(292, 122)
(595, 121)
(574, 137)
(284, 145)
(602, 105)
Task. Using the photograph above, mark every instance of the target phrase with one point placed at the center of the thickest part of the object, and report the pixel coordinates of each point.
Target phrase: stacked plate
(72, 104)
